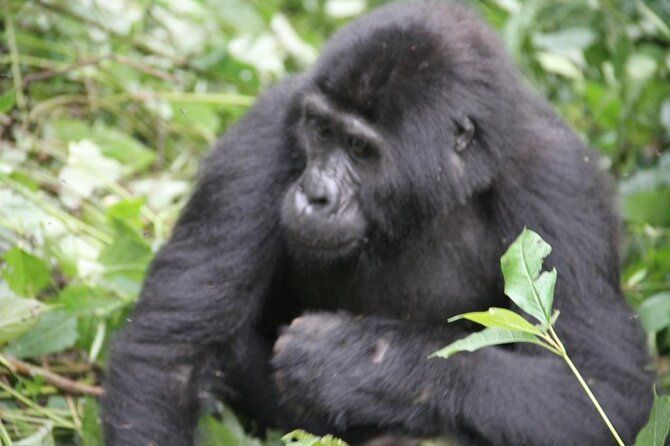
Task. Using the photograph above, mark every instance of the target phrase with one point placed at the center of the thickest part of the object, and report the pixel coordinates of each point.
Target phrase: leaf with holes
(521, 265)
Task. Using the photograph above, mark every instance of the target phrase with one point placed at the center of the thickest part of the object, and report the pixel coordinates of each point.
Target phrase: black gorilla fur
(439, 211)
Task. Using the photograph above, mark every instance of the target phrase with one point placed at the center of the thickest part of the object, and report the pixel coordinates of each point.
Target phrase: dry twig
(52, 378)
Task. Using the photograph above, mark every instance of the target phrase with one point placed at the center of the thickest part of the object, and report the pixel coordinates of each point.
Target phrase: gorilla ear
(465, 132)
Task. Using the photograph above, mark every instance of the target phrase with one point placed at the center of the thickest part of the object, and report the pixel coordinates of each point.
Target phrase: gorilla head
(393, 119)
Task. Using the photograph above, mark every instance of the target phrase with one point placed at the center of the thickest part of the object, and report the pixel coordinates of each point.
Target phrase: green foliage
(302, 438)
(531, 291)
(90, 424)
(534, 293)
(500, 318)
(655, 312)
(521, 265)
(17, 316)
(24, 273)
(486, 338)
(107, 107)
(54, 332)
(656, 431)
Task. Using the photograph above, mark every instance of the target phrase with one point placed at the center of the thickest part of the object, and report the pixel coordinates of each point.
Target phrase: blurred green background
(106, 107)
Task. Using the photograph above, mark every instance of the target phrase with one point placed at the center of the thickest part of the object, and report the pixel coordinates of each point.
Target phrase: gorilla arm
(360, 371)
(204, 287)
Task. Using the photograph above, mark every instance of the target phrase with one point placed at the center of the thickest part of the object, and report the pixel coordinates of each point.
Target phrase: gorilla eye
(359, 148)
(323, 130)
(319, 126)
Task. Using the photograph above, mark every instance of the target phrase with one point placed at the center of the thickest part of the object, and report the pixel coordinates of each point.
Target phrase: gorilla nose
(320, 193)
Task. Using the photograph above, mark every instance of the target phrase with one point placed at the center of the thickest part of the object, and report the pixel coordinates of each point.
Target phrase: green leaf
(130, 152)
(123, 148)
(650, 207)
(640, 67)
(500, 318)
(203, 116)
(521, 264)
(665, 116)
(302, 438)
(558, 64)
(129, 210)
(126, 259)
(81, 300)
(54, 332)
(42, 437)
(486, 338)
(91, 430)
(25, 274)
(225, 432)
(213, 433)
(656, 430)
(344, 8)
(17, 316)
(655, 312)
(564, 40)
(7, 101)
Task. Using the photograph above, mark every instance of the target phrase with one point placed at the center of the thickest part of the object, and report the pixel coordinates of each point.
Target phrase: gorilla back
(336, 226)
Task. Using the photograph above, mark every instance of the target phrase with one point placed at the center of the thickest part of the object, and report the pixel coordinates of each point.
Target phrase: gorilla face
(390, 145)
(321, 211)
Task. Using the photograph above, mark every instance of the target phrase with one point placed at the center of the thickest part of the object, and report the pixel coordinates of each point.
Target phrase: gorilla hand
(342, 367)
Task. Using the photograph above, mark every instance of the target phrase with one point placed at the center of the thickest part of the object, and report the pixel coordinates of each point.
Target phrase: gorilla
(334, 229)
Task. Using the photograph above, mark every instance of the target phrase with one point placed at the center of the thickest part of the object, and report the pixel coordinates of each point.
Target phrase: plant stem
(566, 358)
(14, 54)
(4, 435)
(52, 378)
(42, 411)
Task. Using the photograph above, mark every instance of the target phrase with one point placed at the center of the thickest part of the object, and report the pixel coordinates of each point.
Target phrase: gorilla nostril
(319, 201)
(320, 192)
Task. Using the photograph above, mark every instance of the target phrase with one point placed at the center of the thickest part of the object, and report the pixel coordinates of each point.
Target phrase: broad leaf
(55, 332)
(126, 259)
(86, 170)
(42, 437)
(211, 432)
(17, 316)
(655, 312)
(82, 300)
(7, 101)
(91, 430)
(114, 144)
(521, 265)
(486, 338)
(25, 274)
(500, 318)
(302, 438)
(226, 431)
(656, 430)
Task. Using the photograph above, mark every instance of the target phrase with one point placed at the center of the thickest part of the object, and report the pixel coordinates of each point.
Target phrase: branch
(48, 74)
(52, 378)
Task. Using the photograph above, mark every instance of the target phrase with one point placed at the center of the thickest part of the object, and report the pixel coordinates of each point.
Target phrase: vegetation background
(106, 107)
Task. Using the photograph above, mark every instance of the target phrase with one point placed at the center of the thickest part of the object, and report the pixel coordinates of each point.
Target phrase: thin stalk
(14, 54)
(49, 414)
(587, 389)
(77, 225)
(4, 435)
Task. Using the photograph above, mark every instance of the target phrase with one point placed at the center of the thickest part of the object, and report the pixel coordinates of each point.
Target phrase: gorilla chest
(422, 291)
